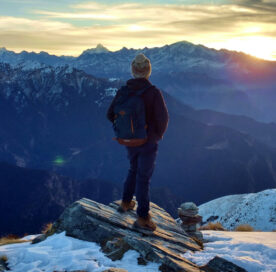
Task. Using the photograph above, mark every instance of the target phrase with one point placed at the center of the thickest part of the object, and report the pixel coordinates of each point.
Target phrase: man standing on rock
(141, 150)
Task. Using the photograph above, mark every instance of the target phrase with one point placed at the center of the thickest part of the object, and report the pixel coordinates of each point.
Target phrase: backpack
(130, 117)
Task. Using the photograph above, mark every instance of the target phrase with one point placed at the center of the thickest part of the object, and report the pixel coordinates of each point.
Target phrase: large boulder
(91, 221)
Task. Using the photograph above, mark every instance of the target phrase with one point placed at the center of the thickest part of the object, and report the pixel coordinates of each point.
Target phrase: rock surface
(3, 265)
(39, 238)
(188, 209)
(91, 221)
(221, 265)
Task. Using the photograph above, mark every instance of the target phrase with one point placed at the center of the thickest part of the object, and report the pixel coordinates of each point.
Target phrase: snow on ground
(63, 253)
(253, 251)
(256, 209)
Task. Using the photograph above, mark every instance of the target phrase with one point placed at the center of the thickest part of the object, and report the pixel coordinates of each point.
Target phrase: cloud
(82, 16)
(89, 6)
(139, 25)
(258, 5)
(22, 24)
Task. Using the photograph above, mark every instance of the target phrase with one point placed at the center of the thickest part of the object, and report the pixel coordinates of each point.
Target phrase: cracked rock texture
(91, 221)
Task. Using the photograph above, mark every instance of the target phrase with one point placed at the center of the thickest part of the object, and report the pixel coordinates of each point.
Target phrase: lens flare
(59, 161)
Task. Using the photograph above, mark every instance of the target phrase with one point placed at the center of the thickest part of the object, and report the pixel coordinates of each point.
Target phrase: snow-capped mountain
(255, 209)
(181, 56)
(50, 112)
(223, 80)
(172, 59)
(55, 86)
(98, 50)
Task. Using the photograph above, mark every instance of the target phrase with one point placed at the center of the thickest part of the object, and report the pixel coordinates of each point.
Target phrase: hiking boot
(145, 223)
(126, 206)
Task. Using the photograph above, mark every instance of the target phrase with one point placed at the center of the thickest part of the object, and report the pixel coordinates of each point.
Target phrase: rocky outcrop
(115, 232)
(91, 221)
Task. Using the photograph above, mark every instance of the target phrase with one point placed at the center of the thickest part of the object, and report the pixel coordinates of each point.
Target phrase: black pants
(142, 162)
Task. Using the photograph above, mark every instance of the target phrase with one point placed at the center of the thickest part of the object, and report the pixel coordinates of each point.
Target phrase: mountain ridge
(221, 80)
(101, 48)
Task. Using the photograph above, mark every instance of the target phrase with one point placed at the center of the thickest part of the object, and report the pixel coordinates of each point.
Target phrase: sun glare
(135, 28)
(258, 46)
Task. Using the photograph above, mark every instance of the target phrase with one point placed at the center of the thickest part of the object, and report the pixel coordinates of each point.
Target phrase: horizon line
(125, 47)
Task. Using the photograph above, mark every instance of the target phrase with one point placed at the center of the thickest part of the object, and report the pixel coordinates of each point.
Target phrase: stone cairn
(190, 219)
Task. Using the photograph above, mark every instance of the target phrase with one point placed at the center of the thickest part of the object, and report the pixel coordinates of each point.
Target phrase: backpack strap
(125, 91)
(140, 92)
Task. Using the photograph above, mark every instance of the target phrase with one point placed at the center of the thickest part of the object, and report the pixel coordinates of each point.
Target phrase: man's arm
(161, 114)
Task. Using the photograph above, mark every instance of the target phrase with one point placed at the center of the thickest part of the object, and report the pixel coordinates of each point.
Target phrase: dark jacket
(157, 116)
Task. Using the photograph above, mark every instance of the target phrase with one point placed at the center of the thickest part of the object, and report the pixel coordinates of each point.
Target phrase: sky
(68, 27)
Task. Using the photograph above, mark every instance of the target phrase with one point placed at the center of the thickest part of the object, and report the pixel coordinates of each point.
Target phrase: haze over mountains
(52, 117)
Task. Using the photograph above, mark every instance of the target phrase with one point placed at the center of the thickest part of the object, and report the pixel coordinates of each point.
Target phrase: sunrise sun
(258, 46)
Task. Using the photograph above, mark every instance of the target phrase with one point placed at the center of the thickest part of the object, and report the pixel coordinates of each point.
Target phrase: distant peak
(181, 43)
(3, 49)
(101, 47)
(98, 49)
(123, 49)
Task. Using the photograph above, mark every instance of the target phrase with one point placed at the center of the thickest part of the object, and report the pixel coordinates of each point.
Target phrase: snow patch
(62, 253)
(253, 251)
(112, 79)
(20, 162)
(111, 91)
(256, 209)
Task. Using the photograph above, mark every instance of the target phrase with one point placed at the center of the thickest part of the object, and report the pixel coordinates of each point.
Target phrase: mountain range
(222, 80)
(55, 119)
